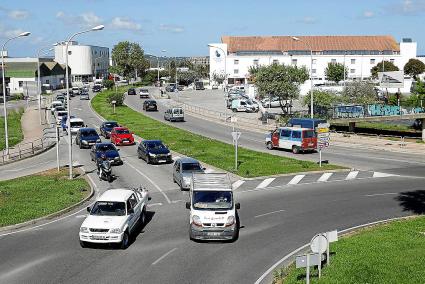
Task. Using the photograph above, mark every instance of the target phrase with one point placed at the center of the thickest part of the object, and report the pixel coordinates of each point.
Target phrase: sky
(186, 27)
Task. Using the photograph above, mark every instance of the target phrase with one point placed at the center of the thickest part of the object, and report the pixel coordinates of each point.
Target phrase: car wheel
(234, 110)
(110, 178)
(148, 160)
(295, 150)
(81, 147)
(270, 146)
(83, 244)
(125, 240)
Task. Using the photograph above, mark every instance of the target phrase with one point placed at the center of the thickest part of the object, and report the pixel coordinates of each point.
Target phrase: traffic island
(35, 196)
(386, 253)
(213, 152)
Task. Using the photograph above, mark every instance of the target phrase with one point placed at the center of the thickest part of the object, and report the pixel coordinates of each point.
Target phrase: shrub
(117, 97)
(108, 84)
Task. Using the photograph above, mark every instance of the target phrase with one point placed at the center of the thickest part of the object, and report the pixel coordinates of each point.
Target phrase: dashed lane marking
(163, 256)
(381, 194)
(265, 182)
(269, 213)
(296, 179)
(380, 175)
(237, 184)
(325, 177)
(155, 204)
(352, 175)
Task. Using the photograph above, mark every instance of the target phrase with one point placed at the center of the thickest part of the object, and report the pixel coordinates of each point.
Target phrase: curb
(31, 156)
(268, 275)
(52, 215)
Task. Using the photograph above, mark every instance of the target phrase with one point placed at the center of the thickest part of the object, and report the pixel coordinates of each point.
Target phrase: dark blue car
(109, 150)
(153, 151)
(106, 128)
(87, 137)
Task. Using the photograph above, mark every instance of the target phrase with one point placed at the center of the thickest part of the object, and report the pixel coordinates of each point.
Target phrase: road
(362, 159)
(274, 222)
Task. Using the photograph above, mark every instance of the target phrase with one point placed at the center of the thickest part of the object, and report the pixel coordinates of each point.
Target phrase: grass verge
(14, 128)
(210, 151)
(389, 253)
(30, 197)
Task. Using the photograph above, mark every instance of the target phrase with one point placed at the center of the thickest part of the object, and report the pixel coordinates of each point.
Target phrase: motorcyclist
(103, 159)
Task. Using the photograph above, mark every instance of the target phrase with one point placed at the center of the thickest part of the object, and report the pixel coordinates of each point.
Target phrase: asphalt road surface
(274, 222)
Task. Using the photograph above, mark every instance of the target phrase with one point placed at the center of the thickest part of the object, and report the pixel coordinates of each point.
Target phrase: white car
(76, 123)
(274, 102)
(114, 216)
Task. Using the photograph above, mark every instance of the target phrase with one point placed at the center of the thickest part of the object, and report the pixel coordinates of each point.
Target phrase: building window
(353, 61)
(236, 62)
(21, 83)
(236, 71)
(372, 61)
(333, 60)
(392, 60)
(352, 71)
(275, 61)
(294, 61)
(256, 61)
(313, 71)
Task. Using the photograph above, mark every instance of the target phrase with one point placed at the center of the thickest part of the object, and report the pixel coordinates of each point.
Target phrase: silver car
(183, 169)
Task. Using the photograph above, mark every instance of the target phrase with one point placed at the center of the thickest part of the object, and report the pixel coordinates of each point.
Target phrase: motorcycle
(105, 171)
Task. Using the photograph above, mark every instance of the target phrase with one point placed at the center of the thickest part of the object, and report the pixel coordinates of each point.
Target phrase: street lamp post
(4, 87)
(311, 73)
(159, 84)
(39, 75)
(68, 122)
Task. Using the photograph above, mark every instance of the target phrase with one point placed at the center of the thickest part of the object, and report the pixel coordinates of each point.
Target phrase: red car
(122, 136)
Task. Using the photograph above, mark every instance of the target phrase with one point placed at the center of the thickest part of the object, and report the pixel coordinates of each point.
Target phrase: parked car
(153, 151)
(109, 150)
(96, 88)
(214, 87)
(180, 87)
(213, 210)
(170, 87)
(75, 91)
(60, 115)
(106, 128)
(114, 217)
(121, 136)
(54, 105)
(174, 114)
(131, 92)
(63, 124)
(273, 102)
(84, 96)
(76, 123)
(87, 137)
(150, 105)
(144, 93)
(199, 85)
(243, 105)
(292, 138)
(183, 170)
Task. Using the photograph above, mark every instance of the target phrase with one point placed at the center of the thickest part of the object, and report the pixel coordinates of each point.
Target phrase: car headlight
(196, 220)
(169, 154)
(117, 158)
(230, 221)
(84, 230)
(84, 141)
(115, 231)
(152, 155)
(98, 140)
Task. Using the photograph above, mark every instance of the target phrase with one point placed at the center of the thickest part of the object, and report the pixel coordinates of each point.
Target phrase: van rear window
(308, 134)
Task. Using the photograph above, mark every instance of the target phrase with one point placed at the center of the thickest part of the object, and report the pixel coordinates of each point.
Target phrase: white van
(76, 123)
(243, 105)
(213, 210)
(174, 114)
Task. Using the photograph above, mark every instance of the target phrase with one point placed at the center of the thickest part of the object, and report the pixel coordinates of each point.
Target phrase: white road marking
(81, 216)
(380, 175)
(176, 157)
(296, 179)
(381, 194)
(176, 201)
(237, 184)
(265, 214)
(164, 256)
(265, 182)
(352, 175)
(151, 181)
(325, 177)
(155, 204)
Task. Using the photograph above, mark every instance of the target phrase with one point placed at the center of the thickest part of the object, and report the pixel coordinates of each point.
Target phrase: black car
(150, 105)
(170, 88)
(96, 88)
(131, 92)
(153, 151)
(109, 150)
(87, 137)
(106, 128)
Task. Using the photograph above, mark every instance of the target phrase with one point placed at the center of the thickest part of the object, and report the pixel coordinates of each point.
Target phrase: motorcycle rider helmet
(103, 157)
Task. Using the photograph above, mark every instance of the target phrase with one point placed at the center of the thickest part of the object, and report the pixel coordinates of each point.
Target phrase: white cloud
(309, 20)
(368, 14)
(85, 20)
(90, 19)
(120, 23)
(18, 14)
(171, 28)
(8, 33)
(407, 7)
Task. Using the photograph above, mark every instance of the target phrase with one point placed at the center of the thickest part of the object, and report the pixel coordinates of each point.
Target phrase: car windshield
(111, 124)
(191, 167)
(62, 113)
(77, 124)
(155, 145)
(108, 208)
(309, 134)
(123, 131)
(106, 147)
(212, 200)
(89, 133)
(151, 102)
(144, 91)
(178, 111)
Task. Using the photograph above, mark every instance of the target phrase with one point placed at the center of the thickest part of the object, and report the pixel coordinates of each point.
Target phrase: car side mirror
(131, 211)
(187, 205)
(88, 209)
(149, 198)
(204, 168)
(238, 206)
(118, 149)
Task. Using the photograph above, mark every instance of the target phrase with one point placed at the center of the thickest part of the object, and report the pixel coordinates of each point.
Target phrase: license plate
(214, 234)
(98, 237)
(162, 161)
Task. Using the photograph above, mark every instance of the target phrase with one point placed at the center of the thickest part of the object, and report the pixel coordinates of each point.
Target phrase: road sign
(236, 135)
(319, 243)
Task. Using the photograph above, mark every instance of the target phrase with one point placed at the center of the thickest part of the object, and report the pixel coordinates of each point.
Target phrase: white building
(235, 55)
(86, 62)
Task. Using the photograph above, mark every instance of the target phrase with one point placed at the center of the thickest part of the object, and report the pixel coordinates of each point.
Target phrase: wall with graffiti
(358, 111)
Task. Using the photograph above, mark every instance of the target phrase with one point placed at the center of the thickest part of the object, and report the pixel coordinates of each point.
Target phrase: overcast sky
(185, 27)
